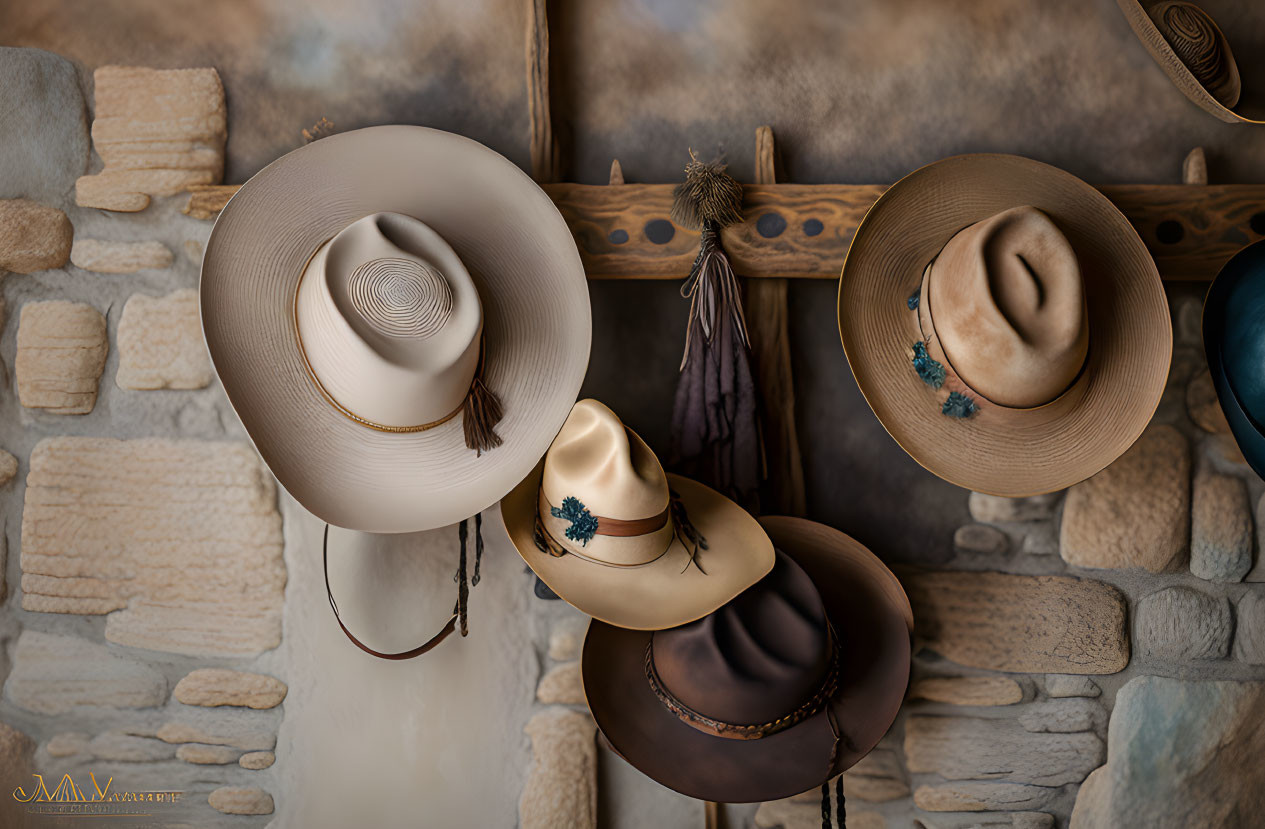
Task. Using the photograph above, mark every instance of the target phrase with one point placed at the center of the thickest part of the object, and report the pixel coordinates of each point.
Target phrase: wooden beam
(546, 160)
(803, 230)
(767, 323)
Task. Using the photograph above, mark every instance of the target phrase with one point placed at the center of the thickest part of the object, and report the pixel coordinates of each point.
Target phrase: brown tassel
(479, 416)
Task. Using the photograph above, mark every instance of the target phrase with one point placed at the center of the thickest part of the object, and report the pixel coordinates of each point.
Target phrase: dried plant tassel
(479, 416)
(712, 289)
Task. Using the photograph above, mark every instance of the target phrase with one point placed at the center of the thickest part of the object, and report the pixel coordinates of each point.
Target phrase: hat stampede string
(459, 610)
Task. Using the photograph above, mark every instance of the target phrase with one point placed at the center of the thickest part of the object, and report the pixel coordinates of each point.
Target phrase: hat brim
(1245, 431)
(663, 593)
(869, 610)
(1154, 41)
(537, 322)
(1001, 451)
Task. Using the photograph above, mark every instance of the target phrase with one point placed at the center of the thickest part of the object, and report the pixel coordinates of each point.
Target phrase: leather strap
(448, 628)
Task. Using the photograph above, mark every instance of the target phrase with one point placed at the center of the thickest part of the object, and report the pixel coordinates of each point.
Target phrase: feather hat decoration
(715, 426)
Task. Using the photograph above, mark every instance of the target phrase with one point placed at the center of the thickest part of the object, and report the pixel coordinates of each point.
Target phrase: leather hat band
(734, 731)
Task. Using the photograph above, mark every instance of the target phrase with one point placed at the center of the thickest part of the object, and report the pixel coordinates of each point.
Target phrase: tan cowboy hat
(607, 530)
(401, 321)
(1005, 323)
(778, 691)
(1169, 26)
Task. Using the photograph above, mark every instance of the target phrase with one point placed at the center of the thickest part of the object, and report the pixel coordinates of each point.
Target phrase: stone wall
(163, 620)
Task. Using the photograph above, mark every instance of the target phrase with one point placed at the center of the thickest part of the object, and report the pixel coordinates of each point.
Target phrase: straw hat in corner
(775, 693)
(607, 530)
(401, 321)
(1005, 323)
(1192, 51)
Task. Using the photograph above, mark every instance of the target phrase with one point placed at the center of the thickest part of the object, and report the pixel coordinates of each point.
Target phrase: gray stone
(982, 820)
(1189, 328)
(16, 753)
(1181, 754)
(1136, 512)
(1257, 573)
(1064, 716)
(1066, 685)
(1180, 624)
(976, 797)
(128, 748)
(1041, 540)
(803, 811)
(44, 130)
(1249, 629)
(980, 538)
(54, 674)
(1202, 404)
(995, 509)
(1221, 528)
(968, 748)
(878, 777)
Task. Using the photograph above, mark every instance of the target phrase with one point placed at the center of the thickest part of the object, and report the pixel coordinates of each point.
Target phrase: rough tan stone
(246, 734)
(53, 674)
(8, 467)
(1201, 403)
(1031, 624)
(566, 638)
(877, 778)
(128, 748)
(16, 752)
(61, 353)
(159, 131)
(241, 801)
(981, 539)
(969, 748)
(1249, 629)
(160, 343)
(1062, 716)
(996, 509)
(68, 744)
(218, 686)
(181, 537)
(561, 785)
(1093, 802)
(1181, 624)
(33, 237)
(984, 820)
(1064, 685)
(206, 201)
(256, 760)
(562, 684)
(803, 811)
(104, 256)
(1220, 528)
(1136, 512)
(968, 690)
(204, 755)
(977, 797)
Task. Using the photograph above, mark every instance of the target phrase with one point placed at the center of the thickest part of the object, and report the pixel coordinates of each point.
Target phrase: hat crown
(757, 658)
(1008, 305)
(390, 321)
(605, 465)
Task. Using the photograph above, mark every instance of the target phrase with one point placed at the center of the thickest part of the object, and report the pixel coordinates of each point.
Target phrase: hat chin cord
(458, 610)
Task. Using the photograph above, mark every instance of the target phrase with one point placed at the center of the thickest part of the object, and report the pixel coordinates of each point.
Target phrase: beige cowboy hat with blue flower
(1005, 322)
(607, 530)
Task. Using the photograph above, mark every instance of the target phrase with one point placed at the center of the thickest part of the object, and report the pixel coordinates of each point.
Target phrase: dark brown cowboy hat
(788, 685)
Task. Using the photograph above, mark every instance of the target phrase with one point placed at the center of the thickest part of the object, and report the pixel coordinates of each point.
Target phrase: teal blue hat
(1234, 340)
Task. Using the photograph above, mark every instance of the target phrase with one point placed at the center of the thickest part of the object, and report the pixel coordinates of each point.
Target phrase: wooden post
(766, 311)
(546, 161)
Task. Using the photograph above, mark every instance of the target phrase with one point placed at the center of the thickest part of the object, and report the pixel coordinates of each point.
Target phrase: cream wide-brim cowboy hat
(665, 592)
(537, 322)
(1010, 452)
(868, 609)
(1155, 42)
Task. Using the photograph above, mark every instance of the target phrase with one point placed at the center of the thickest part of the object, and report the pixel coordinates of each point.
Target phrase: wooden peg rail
(803, 230)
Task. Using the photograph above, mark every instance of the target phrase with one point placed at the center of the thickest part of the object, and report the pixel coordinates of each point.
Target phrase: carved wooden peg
(617, 172)
(767, 325)
(1195, 167)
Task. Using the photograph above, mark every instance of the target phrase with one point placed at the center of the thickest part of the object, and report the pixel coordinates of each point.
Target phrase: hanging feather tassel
(480, 413)
(715, 426)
